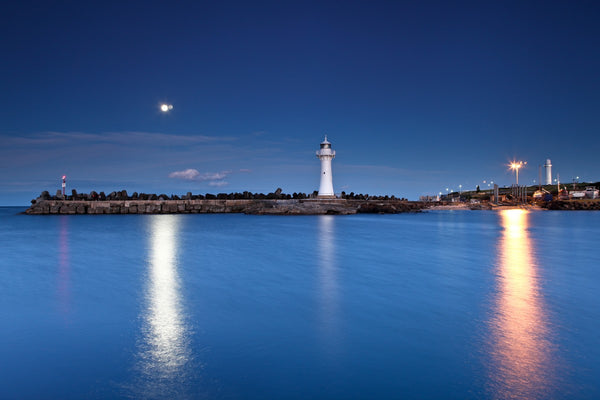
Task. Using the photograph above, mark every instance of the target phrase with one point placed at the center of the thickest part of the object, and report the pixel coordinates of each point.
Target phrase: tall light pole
(516, 165)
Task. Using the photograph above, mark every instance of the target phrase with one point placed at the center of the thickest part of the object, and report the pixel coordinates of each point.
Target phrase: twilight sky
(416, 97)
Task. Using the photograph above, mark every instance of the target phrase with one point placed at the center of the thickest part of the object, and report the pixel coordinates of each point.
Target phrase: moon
(166, 107)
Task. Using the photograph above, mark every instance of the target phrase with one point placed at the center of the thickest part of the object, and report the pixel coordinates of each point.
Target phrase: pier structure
(326, 154)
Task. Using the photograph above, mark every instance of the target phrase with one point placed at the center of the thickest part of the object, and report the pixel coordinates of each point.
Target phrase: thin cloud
(188, 174)
(195, 175)
(218, 183)
(121, 138)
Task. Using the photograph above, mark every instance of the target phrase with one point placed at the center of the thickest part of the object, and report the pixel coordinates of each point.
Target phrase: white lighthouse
(325, 154)
(548, 167)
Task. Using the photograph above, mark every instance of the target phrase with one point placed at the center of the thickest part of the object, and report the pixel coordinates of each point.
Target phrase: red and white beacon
(64, 184)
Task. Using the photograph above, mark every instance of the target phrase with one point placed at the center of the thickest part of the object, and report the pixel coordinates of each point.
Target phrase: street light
(516, 165)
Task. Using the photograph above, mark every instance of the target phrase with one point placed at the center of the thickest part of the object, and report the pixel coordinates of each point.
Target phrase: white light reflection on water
(64, 266)
(328, 285)
(165, 349)
(520, 348)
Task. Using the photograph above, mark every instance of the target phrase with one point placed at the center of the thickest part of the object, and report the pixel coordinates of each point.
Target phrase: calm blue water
(448, 304)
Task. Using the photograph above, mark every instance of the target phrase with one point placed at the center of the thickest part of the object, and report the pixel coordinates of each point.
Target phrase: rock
(68, 209)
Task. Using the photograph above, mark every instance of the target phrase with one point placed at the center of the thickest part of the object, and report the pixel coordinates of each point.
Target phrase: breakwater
(572, 205)
(45, 205)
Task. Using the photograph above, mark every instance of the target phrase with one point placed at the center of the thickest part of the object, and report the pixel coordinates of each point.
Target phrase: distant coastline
(556, 205)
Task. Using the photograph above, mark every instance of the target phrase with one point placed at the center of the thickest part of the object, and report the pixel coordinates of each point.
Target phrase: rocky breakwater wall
(572, 205)
(45, 205)
(136, 207)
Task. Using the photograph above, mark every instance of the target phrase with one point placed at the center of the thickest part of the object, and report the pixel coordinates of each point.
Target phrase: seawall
(573, 205)
(206, 206)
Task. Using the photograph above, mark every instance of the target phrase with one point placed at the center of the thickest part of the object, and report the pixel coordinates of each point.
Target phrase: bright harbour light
(517, 164)
(166, 107)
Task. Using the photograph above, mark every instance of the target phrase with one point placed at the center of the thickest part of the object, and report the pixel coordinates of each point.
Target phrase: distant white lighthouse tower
(325, 154)
(548, 167)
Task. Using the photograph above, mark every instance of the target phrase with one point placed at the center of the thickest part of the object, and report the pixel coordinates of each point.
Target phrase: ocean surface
(437, 305)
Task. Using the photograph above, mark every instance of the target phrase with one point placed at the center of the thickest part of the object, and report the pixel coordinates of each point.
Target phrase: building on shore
(326, 154)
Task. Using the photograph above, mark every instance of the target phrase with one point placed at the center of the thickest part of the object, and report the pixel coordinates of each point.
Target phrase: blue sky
(416, 97)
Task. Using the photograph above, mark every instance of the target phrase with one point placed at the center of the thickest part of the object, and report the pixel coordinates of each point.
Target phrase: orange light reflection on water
(520, 347)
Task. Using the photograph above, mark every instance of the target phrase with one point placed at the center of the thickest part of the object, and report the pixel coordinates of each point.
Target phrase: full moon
(166, 107)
